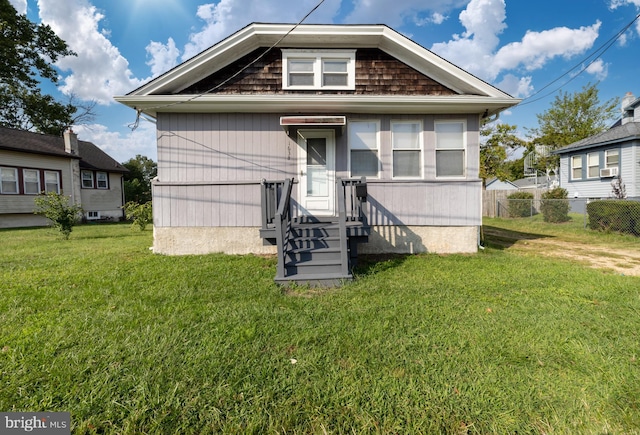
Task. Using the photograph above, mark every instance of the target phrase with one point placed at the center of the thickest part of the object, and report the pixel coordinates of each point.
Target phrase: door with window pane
(317, 171)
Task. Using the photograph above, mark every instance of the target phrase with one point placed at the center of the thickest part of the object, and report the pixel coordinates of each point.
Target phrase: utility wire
(601, 50)
(136, 123)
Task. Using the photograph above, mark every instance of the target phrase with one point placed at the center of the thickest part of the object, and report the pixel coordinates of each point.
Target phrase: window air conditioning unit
(608, 172)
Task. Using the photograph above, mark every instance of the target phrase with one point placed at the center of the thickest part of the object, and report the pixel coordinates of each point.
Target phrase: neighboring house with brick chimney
(31, 163)
(588, 167)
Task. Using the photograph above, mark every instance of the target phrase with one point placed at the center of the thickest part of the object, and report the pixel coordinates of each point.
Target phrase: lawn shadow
(370, 264)
(502, 238)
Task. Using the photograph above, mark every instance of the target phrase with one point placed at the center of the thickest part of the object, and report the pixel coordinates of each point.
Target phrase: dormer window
(318, 69)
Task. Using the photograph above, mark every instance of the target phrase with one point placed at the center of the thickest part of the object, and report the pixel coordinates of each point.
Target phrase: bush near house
(615, 216)
(57, 208)
(555, 205)
(140, 214)
(520, 204)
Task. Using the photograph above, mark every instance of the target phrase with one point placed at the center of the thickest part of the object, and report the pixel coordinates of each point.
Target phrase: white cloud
(599, 69)
(519, 87)
(227, 16)
(20, 5)
(476, 50)
(614, 4)
(121, 146)
(99, 71)
(536, 48)
(379, 11)
(163, 57)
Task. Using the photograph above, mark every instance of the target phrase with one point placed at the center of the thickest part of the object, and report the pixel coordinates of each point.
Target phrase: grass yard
(130, 342)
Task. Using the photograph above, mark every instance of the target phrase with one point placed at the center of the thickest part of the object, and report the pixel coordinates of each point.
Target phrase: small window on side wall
(9, 181)
(102, 181)
(450, 148)
(611, 158)
(31, 181)
(318, 69)
(87, 179)
(576, 167)
(593, 165)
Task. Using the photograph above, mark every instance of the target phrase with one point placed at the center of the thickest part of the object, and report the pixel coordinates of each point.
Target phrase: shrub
(555, 205)
(57, 209)
(615, 215)
(520, 204)
(140, 214)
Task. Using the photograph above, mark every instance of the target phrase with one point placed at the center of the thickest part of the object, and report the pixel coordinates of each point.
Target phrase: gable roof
(90, 156)
(163, 94)
(617, 134)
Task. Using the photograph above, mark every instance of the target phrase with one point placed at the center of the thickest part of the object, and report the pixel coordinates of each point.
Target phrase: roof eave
(153, 104)
(595, 145)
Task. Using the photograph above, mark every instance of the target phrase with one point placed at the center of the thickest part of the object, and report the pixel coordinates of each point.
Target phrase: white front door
(317, 165)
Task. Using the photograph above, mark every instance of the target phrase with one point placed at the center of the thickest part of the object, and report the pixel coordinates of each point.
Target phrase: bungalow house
(588, 167)
(31, 163)
(281, 126)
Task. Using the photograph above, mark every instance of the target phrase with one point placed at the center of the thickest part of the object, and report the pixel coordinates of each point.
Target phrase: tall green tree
(137, 183)
(28, 52)
(573, 117)
(500, 144)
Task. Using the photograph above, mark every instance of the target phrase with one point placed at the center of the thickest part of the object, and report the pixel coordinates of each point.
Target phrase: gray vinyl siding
(210, 167)
(24, 203)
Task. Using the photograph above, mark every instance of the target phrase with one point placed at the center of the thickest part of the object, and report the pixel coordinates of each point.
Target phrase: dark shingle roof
(91, 157)
(618, 133)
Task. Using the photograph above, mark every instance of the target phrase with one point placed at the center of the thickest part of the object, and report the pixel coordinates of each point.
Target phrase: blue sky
(517, 45)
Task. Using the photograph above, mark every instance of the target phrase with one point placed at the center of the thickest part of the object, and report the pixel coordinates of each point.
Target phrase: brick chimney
(71, 142)
(627, 110)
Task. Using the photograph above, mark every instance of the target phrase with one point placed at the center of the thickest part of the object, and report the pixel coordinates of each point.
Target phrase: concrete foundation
(246, 240)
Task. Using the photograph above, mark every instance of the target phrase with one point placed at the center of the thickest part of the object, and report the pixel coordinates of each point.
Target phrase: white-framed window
(93, 215)
(611, 158)
(450, 148)
(364, 145)
(593, 165)
(318, 69)
(52, 181)
(576, 167)
(406, 143)
(9, 181)
(31, 181)
(102, 181)
(87, 179)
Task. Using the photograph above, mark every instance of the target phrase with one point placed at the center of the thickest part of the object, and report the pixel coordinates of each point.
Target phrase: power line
(599, 52)
(135, 124)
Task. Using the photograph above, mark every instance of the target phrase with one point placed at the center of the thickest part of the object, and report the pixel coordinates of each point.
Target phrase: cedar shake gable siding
(377, 73)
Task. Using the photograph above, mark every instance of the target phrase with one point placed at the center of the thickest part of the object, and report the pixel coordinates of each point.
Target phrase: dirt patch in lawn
(623, 261)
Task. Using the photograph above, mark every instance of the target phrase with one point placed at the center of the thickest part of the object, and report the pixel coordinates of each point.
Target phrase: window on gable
(611, 158)
(407, 148)
(576, 167)
(31, 180)
(9, 180)
(87, 179)
(363, 148)
(52, 181)
(102, 180)
(450, 148)
(593, 165)
(318, 69)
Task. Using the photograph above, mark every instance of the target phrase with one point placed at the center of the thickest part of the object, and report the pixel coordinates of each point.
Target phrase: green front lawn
(132, 342)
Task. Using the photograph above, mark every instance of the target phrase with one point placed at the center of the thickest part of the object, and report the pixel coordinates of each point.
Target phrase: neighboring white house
(31, 163)
(588, 167)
